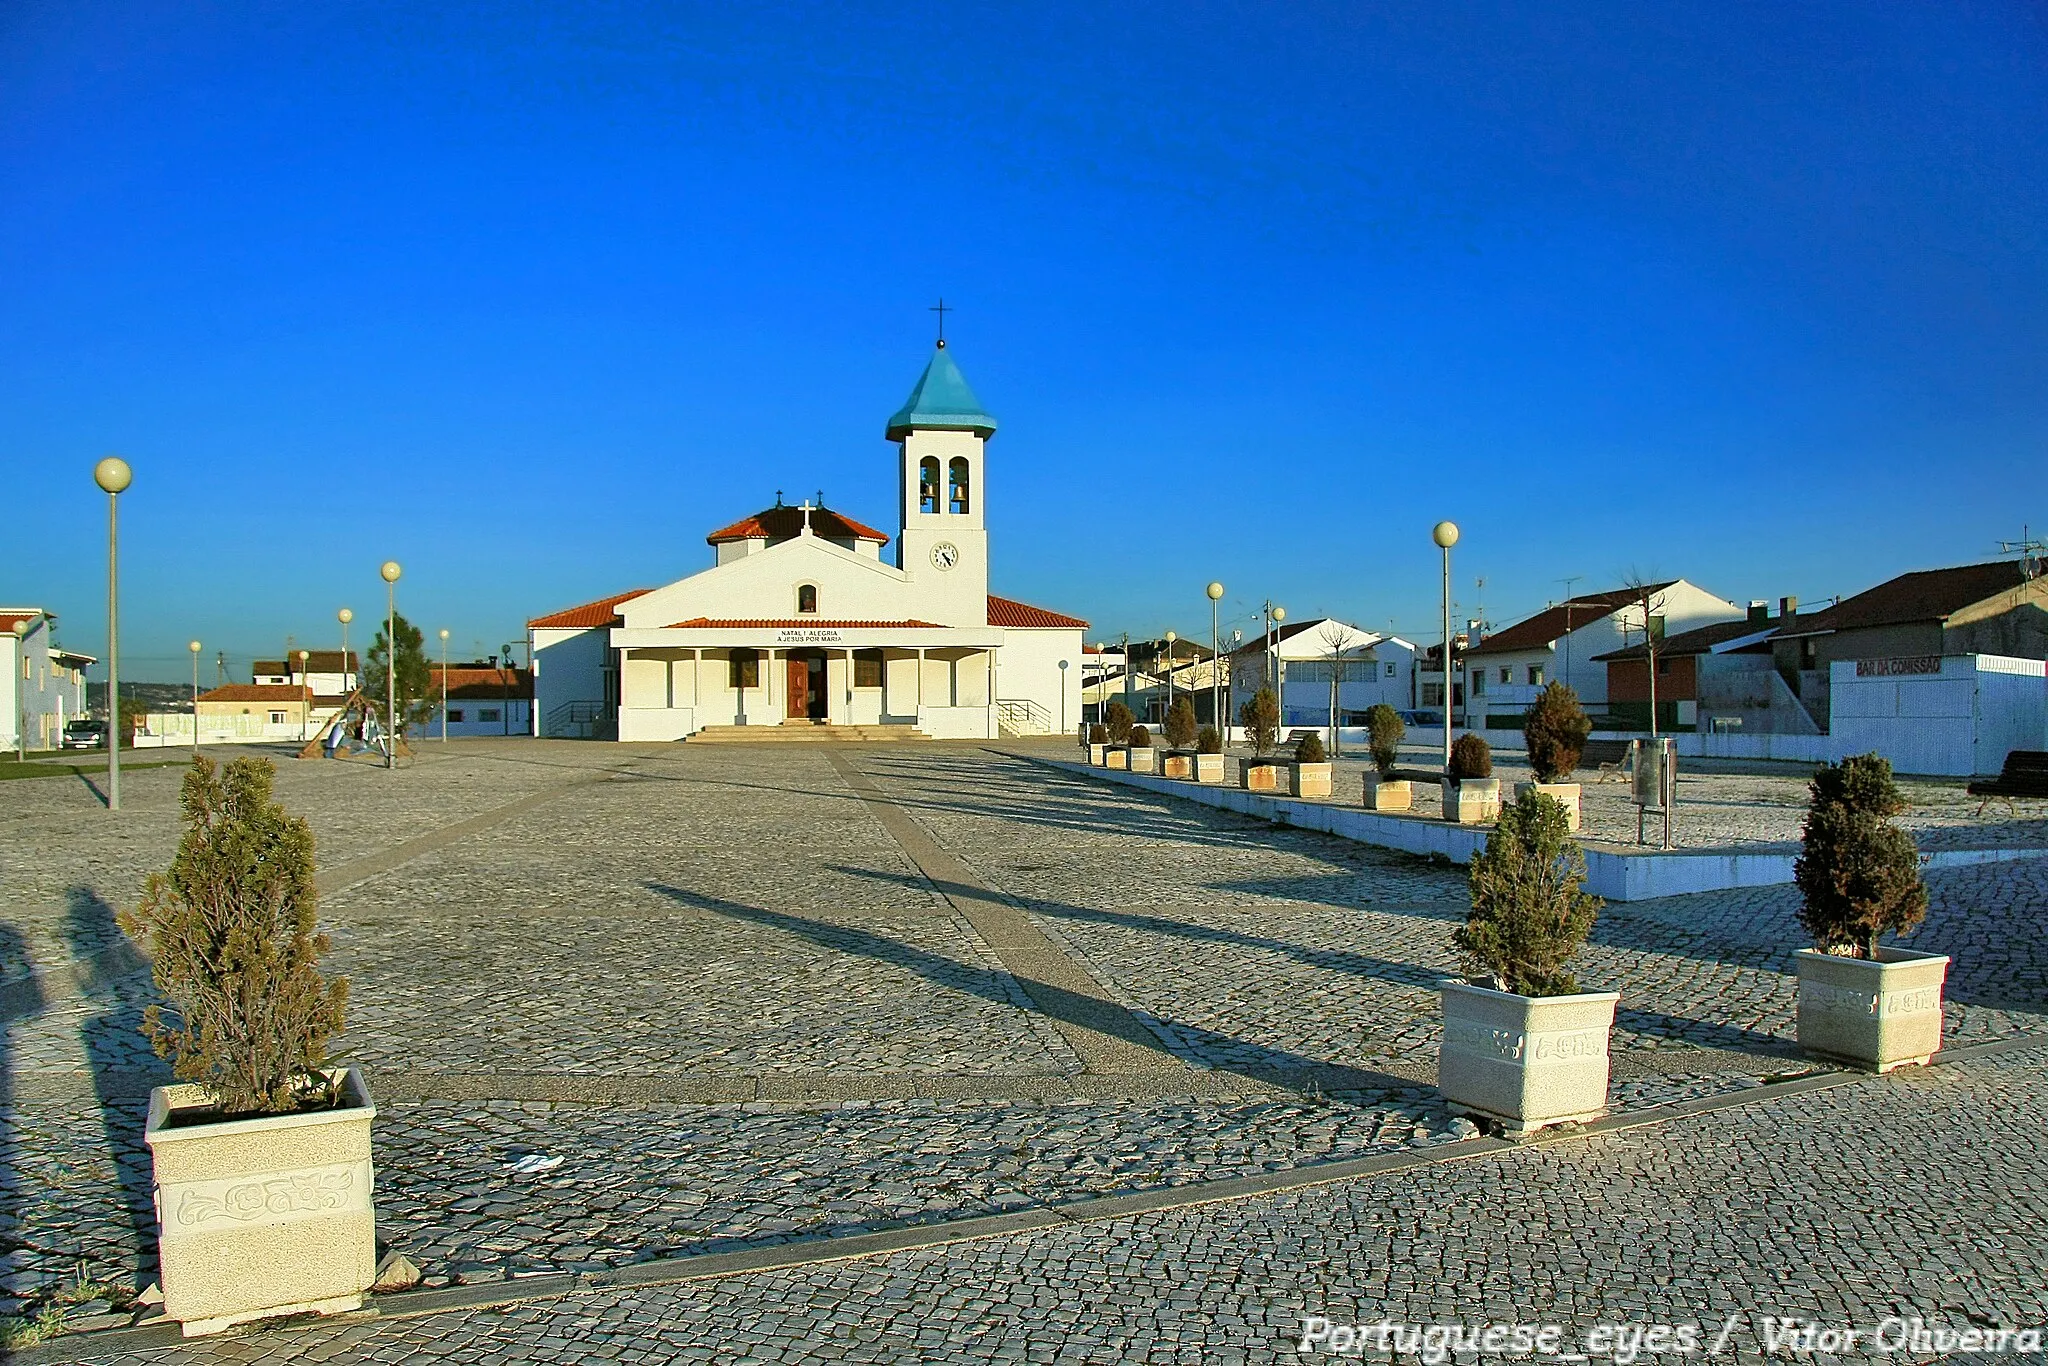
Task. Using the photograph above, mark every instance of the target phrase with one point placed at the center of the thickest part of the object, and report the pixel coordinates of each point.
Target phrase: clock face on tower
(945, 555)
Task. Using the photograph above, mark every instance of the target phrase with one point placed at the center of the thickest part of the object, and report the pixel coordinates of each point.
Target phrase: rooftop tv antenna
(2029, 550)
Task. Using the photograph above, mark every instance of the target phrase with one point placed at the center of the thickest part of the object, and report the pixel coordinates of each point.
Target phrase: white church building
(799, 620)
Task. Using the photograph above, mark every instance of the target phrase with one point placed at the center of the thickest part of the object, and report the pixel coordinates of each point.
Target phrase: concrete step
(804, 733)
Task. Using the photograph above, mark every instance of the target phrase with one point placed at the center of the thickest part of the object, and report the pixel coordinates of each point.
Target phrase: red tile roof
(317, 662)
(258, 692)
(480, 683)
(1010, 612)
(1698, 641)
(1550, 624)
(781, 522)
(1925, 595)
(765, 624)
(603, 612)
(7, 619)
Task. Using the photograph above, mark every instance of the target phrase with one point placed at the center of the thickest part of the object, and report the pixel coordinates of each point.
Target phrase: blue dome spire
(941, 402)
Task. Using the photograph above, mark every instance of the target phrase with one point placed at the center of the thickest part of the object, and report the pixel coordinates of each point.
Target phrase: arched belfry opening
(959, 497)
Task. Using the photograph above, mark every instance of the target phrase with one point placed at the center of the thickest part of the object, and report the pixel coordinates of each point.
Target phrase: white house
(484, 699)
(1505, 671)
(326, 672)
(1367, 667)
(41, 685)
(801, 620)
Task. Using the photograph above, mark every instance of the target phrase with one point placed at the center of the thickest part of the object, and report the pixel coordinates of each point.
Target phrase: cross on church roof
(942, 311)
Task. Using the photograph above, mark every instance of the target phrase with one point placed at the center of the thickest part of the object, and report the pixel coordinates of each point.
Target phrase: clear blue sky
(530, 297)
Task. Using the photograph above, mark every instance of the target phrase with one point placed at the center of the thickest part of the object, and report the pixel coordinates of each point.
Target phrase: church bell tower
(942, 437)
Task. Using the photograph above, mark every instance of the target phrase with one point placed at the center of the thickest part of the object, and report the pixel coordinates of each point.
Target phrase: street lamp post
(1445, 534)
(193, 646)
(113, 475)
(1171, 637)
(344, 616)
(1215, 591)
(305, 694)
(390, 571)
(20, 695)
(444, 685)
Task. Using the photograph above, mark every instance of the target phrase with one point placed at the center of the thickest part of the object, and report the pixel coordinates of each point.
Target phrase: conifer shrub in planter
(1861, 1001)
(1471, 792)
(1523, 1046)
(1309, 774)
(1142, 757)
(262, 1151)
(1178, 762)
(1209, 756)
(1098, 741)
(1555, 729)
(1260, 717)
(1384, 729)
(1117, 717)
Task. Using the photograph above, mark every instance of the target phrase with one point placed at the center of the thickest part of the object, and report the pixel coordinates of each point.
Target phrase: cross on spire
(942, 311)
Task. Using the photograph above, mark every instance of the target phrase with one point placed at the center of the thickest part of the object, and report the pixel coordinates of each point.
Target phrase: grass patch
(83, 768)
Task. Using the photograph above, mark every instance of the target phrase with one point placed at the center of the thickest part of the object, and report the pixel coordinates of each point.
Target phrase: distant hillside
(154, 696)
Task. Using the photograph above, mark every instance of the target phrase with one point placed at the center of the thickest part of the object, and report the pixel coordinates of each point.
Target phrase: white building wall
(568, 667)
(33, 690)
(1042, 666)
(1958, 722)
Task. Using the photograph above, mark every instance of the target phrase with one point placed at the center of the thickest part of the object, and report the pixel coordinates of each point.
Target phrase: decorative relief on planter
(1542, 1046)
(312, 1191)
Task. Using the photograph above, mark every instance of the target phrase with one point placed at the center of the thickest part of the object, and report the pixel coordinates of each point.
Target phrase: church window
(744, 668)
(867, 668)
(807, 599)
(956, 484)
(928, 484)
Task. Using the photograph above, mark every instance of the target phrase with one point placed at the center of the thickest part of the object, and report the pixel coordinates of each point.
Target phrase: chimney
(1472, 633)
(1759, 612)
(1788, 612)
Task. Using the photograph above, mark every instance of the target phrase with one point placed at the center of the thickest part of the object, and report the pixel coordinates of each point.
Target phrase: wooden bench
(2025, 775)
(1609, 758)
(1415, 775)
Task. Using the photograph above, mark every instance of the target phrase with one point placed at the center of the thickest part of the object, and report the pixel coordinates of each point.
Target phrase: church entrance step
(802, 732)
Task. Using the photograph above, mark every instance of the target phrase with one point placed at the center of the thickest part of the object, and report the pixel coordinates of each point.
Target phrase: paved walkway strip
(921, 1237)
(1108, 1037)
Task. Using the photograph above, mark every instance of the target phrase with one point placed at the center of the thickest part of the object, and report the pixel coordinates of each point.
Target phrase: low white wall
(1614, 874)
(656, 723)
(957, 723)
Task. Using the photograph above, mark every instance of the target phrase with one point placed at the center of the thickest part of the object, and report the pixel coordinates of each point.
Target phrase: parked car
(83, 734)
(1422, 718)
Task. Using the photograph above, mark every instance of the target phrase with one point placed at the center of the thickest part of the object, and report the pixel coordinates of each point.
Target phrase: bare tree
(1336, 637)
(1646, 595)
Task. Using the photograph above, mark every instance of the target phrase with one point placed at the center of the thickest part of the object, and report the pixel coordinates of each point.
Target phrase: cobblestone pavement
(1921, 1194)
(657, 919)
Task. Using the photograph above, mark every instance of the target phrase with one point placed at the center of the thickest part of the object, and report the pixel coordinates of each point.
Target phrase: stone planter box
(1177, 766)
(1525, 1062)
(1875, 1014)
(1144, 759)
(1208, 768)
(1566, 794)
(1095, 753)
(1308, 780)
(261, 1217)
(1388, 794)
(1473, 801)
(1116, 756)
(1259, 775)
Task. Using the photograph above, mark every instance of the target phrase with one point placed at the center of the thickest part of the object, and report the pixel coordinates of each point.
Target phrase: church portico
(799, 619)
(676, 681)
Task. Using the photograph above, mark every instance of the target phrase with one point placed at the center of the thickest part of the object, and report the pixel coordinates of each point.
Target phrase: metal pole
(1445, 534)
(21, 694)
(305, 695)
(390, 571)
(194, 648)
(444, 685)
(113, 475)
